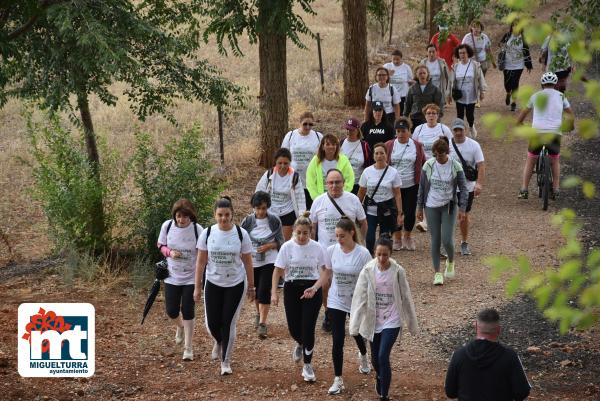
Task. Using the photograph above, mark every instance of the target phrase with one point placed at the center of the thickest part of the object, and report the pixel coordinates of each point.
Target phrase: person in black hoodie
(484, 369)
(376, 129)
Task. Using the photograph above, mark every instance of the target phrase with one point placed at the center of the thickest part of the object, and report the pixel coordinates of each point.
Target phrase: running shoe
(513, 107)
(523, 194)
(473, 132)
(225, 368)
(262, 331)
(216, 351)
(478, 105)
(297, 353)
(188, 354)
(326, 326)
(507, 99)
(337, 386)
(409, 244)
(256, 321)
(398, 246)
(363, 364)
(465, 249)
(421, 226)
(438, 279)
(179, 335)
(449, 272)
(308, 373)
(443, 253)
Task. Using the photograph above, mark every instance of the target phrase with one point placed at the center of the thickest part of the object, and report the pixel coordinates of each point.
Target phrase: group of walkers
(317, 212)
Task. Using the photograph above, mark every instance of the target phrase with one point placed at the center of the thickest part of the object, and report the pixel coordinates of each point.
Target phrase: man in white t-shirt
(471, 157)
(325, 215)
(548, 106)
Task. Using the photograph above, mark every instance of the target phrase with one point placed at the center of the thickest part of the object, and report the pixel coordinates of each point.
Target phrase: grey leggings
(440, 222)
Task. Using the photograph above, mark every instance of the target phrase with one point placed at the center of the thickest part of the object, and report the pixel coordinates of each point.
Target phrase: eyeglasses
(432, 113)
(382, 75)
(337, 182)
(307, 124)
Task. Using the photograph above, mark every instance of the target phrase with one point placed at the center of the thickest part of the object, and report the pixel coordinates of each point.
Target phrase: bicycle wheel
(546, 181)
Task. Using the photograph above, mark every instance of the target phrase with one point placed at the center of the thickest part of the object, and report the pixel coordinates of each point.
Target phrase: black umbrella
(151, 297)
(162, 272)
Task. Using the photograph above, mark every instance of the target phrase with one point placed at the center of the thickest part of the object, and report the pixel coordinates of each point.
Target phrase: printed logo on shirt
(56, 340)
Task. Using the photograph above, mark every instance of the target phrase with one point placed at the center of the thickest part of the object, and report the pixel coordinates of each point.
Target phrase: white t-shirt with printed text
(464, 79)
(369, 179)
(481, 43)
(400, 77)
(384, 96)
(403, 159)
(346, 268)
(354, 152)
(471, 152)
(387, 315)
(427, 136)
(301, 262)
(258, 233)
(280, 191)
(441, 190)
(326, 216)
(225, 267)
(435, 73)
(182, 270)
(303, 148)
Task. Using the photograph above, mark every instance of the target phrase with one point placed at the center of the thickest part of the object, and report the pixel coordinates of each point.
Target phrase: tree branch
(43, 6)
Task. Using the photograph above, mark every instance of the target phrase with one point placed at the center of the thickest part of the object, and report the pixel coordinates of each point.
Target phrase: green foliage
(181, 170)
(227, 20)
(66, 187)
(379, 13)
(460, 12)
(569, 294)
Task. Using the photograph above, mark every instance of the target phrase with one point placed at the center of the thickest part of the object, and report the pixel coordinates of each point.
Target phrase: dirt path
(141, 362)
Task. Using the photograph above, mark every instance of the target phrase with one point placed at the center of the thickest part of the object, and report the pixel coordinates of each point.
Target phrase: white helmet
(549, 78)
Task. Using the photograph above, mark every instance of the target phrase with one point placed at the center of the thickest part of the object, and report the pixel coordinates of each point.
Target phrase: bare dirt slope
(142, 362)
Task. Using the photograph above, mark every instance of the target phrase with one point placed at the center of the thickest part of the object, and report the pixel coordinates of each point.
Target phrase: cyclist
(547, 120)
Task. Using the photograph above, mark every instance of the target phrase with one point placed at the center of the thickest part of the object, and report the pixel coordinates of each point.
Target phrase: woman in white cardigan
(381, 305)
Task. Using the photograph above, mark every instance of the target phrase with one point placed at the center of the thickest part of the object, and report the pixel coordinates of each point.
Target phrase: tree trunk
(96, 221)
(434, 7)
(356, 69)
(273, 102)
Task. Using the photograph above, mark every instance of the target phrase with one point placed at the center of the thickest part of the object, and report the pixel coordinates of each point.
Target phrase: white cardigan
(362, 313)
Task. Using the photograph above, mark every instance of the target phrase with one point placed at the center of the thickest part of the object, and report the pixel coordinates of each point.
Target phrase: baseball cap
(351, 123)
(401, 124)
(377, 105)
(458, 123)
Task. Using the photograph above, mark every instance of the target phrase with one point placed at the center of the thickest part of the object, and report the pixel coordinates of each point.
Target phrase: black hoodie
(484, 370)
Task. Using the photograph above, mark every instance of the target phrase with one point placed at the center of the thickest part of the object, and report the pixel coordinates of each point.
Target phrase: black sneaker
(507, 99)
(513, 107)
(523, 194)
(326, 326)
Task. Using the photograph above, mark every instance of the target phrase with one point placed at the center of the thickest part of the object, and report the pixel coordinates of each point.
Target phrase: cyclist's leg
(554, 152)
(533, 151)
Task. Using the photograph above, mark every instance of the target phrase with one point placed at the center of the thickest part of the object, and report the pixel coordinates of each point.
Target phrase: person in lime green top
(328, 156)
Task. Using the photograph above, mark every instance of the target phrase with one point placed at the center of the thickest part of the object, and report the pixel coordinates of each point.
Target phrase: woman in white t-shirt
(439, 72)
(379, 191)
(177, 243)
(516, 58)
(430, 131)
(301, 261)
(303, 143)
(440, 179)
(225, 259)
(469, 80)
(401, 76)
(481, 45)
(407, 156)
(381, 305)
(356, 150)
(265, 233)
(284, 186)
(385, 93)
(345, 260)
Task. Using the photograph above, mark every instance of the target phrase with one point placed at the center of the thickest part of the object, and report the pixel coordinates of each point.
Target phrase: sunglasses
(308, 124)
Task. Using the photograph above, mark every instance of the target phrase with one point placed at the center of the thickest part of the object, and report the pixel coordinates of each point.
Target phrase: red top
(447, 49)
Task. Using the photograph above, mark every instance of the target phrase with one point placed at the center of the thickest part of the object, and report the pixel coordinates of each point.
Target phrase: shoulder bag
(457, 92)
(471, 173)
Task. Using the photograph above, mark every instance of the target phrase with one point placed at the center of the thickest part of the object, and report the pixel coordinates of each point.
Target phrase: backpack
(371, 92)
(193, 222)
(295, 179)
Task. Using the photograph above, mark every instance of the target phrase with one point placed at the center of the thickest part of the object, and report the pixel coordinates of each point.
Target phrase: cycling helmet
(549, 78)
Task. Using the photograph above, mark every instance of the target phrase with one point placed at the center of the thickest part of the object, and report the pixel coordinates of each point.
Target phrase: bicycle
(544, 176)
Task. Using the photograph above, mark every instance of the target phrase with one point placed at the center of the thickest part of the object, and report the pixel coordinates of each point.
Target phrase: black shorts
(469, 202)
(553, 146)
(288, 219)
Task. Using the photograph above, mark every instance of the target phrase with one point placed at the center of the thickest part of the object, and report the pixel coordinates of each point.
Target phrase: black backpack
(239, 231)
(193, 222)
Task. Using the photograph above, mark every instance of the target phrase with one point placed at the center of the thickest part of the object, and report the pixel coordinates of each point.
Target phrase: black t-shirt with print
(373, 134)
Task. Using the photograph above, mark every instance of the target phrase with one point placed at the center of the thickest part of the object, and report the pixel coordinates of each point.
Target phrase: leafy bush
(181, 170)
(66, 186)
(378, 14)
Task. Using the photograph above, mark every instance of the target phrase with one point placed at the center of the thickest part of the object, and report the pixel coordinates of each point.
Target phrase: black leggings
(180, 298)
(470, 109)
(302, 314)
(338, 332)
(263, 276)
(511, 80)
(409, 207)
(222, 306)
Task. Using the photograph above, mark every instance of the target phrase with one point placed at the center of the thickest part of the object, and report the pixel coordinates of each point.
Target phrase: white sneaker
(225, 369)
(421, 226)
(337, 386)
(188, 354)
(297, 353)
(473, 132)
(179, 335)
(363, 365)
(308, 373)
(216, 351)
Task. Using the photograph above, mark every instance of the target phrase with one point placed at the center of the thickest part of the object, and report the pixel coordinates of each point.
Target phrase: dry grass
(22, 220)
